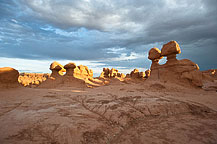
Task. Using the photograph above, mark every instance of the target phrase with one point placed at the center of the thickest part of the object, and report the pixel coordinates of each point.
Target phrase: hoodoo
(178, 71)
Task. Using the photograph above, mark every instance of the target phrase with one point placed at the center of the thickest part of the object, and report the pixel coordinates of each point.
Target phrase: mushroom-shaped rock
(54, 64)
(70, 69)
(154, 54)
(170, 50)
(8, 77)
(55, 71)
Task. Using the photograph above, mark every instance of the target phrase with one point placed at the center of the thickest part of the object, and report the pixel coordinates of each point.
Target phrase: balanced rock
(177, 71)
(155, 54)
(57, 69)
(170, 50)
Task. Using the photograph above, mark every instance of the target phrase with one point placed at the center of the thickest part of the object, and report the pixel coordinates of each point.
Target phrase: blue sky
(104, 33)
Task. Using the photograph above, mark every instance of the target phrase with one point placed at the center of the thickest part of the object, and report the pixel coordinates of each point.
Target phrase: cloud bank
(114, 33)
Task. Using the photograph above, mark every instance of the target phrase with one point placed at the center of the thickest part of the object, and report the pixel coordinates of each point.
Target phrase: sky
(104, 33)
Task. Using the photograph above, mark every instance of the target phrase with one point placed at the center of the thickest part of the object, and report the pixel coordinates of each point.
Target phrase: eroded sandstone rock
(8, 77)
(178, 71)
(57, 69)
(107, 73)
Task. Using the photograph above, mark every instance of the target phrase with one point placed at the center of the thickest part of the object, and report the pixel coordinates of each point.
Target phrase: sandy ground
(136, 113)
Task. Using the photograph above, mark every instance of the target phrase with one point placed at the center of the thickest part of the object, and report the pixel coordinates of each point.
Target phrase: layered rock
(8, 77)
(179, 71)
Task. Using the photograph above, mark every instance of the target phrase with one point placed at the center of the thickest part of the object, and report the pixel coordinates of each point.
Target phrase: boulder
(8, 77)
(170, 50)
(154, 54)
(171, 47)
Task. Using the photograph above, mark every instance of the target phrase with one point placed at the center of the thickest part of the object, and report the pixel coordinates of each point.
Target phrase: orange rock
(8, 77)
(171, 47)
(70, 69)
(54, 65)
(147, 73)
(177, 71)
(154, 54)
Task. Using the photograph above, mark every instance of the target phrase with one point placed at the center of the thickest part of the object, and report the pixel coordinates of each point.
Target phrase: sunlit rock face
(8, 77)
(178, 71)
(111, 73)
(57, 69)
(32, 79)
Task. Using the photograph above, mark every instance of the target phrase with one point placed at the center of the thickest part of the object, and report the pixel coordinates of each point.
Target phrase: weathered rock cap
(54, 65)
(154, 53)
(70, 66)
(171, 47)
(57, 68)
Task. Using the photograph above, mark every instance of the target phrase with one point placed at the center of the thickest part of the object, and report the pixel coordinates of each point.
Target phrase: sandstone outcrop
(32, 79)
(70, 67)
(170, 50)
(8, 77)
(178, 71)
(136, 74)
(107, 73)
(154, 55)
(57, 69)
(75, 76)
(147, 73)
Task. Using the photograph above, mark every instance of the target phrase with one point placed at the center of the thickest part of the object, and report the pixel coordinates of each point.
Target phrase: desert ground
(125, 113)
(170, 103)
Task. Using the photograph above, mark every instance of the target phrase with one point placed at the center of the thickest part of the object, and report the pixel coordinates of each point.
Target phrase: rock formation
(75, 76)
(107, 73)
(32, 79)
(8, 77)
(147, 73)
(70, 67)
(134, 73)
(57, 69)
(170, 50)
(179, 71)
